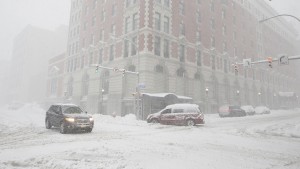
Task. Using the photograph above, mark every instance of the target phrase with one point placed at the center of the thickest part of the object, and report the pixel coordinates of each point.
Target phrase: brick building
(177, 46)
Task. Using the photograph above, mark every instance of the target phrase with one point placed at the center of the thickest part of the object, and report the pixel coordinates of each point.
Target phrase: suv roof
(181, 105)
(65, 104)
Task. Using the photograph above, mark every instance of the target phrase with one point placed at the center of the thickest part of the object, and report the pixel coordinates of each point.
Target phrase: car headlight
(91, 119)
(70, 119)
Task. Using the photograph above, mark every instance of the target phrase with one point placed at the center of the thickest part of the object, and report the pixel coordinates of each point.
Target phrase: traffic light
(270, 59)
(97, 69)
(236, 68)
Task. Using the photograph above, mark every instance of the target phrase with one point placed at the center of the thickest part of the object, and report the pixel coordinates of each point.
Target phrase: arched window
(180, 72)
(159, 69)
(197, 76)
(131, 68)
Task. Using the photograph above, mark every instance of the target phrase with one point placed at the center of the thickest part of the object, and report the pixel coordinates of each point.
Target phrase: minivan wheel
(62, 128)
(48, 124)
(154, 121)
(190, 122)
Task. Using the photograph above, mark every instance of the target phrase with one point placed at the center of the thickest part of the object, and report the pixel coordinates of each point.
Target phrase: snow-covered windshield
(71, 110)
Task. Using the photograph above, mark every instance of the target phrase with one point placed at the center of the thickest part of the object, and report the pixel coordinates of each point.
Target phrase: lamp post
(102, 91)
(206, 92)
(237, 96)
(259, 99)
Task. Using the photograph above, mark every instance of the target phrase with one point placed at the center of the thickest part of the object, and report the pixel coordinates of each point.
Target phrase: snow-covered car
(178, 114)
(231, 111)
(262, 110)
(248, 109)
(68, 117)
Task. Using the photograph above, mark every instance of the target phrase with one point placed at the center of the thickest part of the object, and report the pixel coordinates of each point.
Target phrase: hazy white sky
(15, 15)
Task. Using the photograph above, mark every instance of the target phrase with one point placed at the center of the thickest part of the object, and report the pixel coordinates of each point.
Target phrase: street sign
(247, 63)
(283, 60)
(141, 86)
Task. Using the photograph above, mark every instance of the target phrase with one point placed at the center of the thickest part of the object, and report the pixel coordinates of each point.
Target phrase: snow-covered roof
(181, 105)
(164, 95)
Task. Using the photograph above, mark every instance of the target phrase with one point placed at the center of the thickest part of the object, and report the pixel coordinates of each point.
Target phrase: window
(134, 21)
(167, 3)
(127, 20)
(159, 69)
(212, 41)
(166, 48)
(102, 35)
(103, 15)
(113, 10)
(223, 14)
(93, 21)
(126, 48)
(182, 29)
(157, 21)
(224, 30)
(133, 46)
(178, 111)
(224, 47)
(85, 26)
(198, 36)
(157, 46)
(92, 39)
(198, 17)
(199, 58)
(212, 6)
(213, 62)
(111, 52)
(128, 3)
(100, 60)
(180, 72)
(113, 29)
(197, 76)
(181, 7)
(91, 58)
(166, 24)
(181, 53)
(225, 66)
(234, 35)
(212, 23)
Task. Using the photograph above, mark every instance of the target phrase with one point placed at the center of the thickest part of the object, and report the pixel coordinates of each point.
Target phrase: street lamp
(102, 92)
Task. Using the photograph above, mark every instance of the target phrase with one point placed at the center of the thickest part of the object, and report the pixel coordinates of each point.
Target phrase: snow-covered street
(256, 142)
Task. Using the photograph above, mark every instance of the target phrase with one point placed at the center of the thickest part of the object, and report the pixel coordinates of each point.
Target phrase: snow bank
(29, 114)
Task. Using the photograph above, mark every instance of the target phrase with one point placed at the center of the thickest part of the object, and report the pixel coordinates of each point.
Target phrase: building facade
(182, 47)
(32, 49)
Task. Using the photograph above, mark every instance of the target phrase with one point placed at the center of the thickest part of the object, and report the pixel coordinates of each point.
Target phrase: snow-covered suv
(68, 117)
(178, 114)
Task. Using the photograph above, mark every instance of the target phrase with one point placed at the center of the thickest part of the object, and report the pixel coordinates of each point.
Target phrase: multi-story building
(177, 46)
(32, 49)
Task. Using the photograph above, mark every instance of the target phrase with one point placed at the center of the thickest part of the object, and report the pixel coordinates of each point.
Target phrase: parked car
(178, 114)
(231, 111)
(262, 110)
(248, 109)
(68, 117)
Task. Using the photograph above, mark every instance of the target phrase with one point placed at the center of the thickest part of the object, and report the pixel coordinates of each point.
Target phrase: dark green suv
(68, 117)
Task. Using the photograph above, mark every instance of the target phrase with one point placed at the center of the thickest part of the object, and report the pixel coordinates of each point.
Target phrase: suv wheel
(62, 128)
(190, 122)
(48, 124)
(89, 130)
(154, 121)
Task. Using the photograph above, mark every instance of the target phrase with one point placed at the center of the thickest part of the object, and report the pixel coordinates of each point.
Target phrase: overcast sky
(15, 15)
